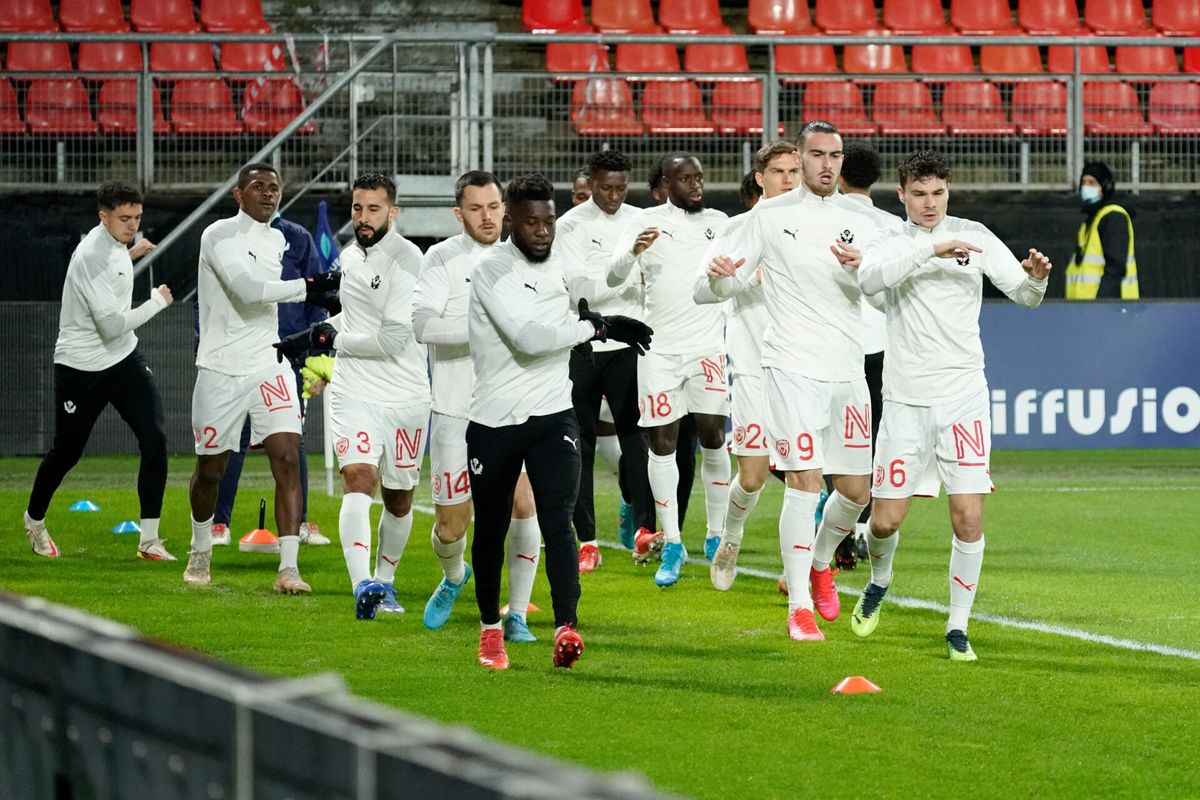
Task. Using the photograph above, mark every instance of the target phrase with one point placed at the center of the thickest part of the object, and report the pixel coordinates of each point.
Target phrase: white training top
(378, 358)
(748, 307)
(813, 314)
(440, 304)
(521, 331)
(934, 354)
(669, 268)
(97, 320)
(238, 289)
(874, 321)
(584, 239)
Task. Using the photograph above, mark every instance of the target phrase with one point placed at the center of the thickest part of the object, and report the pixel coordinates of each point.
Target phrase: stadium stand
(1050, 17)
(1174, 108)
(1039, 108)
(1146, 60)
(1177, 17)
(650, 59)
(916, 17)
(203, 107)
(674, 108)
(58, 107)
(1117, 18)
(27, 16)
(604, 107)
(624, 16)
(779, 17)
(116, 109)
(233, 16)
(803, 59)
(562, 57)
(271, 105)
(94, 16)
(905, 108)
(841, 103)
(182, 57)
(982, 17)
(10, 114)
(691, 16)
(110, 57)
(554, 16)
(1191, 59)
(934, 59)
(1019, 59)
(162, 16)
(1110, 108)
(974, 108)
(845, 16)
(873, 58)
(721, 58)
(39, 57)
(1093, 59)
(737, 108)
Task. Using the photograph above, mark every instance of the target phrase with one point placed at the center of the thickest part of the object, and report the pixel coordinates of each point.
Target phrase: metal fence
(183, 112)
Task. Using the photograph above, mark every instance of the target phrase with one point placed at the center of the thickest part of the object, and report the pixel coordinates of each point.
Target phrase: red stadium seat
(1191, 59)
(116, 108)
(562, 57)
(604, 107)
(779, 17)
(233, 16)
(905, 108)
(554, 16)
(162, 16)
(839, 102)
(253, 57)
(10, 115)
(1174, 108)
(1144, 60)
(800, 59)
(110, 57)
(1110, 108)
(874, 58)
(1093, 59)
(1116, 17)
(1050, 17)
(26, 16)
(1177, 17)
(933, 59)
(39, 57)
(181, 57)
(203, 107)
(269, 107)
(982, 17)
(691, 16)
(915, 16)
(845, 16)
(737, 108)
(1000, 59)
(1039, 108)
(95, 16)
(57, 107)
(624, 16)
(974, 108)
(647, 58)
(674, 108)
(715, 58)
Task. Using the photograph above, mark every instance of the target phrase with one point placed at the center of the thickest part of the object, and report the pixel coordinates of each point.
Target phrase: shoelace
(958, 640)
(872, 597)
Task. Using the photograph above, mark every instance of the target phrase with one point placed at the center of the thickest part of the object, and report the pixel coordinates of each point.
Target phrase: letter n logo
(408, 450)
(858, 423)
(974, 440)
(276, 394)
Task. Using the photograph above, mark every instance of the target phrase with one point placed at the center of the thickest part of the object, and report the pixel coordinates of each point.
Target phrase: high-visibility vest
(1083, 277)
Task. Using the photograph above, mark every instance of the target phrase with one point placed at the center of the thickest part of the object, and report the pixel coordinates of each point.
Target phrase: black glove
(630, 331)
(322, 291)
(318, 337)
(587, 315)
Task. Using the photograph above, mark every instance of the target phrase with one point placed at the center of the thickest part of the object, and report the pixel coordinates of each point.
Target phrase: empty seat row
(978, 17)
(145, 16)
(127, 57)
(61, 106)
(871, 58)
(605, 107)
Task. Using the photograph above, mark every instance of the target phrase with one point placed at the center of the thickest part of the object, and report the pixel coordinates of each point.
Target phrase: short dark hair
(257, 166)
(923, 164)
(749, 188)
(376, 180)
(771, 150)
(608, 161)
(534, 187)
(654, 178)
(815, 126)
(861, 165)
(581, 173)
(476, 177)
(112, 194)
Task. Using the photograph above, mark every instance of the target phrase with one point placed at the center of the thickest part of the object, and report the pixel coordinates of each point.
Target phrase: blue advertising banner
(1093, 375)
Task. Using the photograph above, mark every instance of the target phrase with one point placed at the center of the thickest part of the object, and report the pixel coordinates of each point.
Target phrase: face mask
(1090, 194)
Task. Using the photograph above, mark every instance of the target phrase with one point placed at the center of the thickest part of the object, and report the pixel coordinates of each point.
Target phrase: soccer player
(685, 375)
(585, 237)
(521, 329)
(817, 405)
(775, 171)
(97, 362)
(441, 301)
(379, 398)
(238, 287)
(936, 413)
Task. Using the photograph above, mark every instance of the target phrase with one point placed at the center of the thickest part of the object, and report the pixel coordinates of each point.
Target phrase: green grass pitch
(702, 691)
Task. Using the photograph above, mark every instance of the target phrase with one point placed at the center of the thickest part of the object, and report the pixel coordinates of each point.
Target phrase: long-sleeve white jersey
(378, 358)
(813, 302)
(874, 322)
(97, 320)
(440, 305)
(747, 320)
(521, 331)
(584, 239)
(934, 354)
(668, 268)
(239, 290)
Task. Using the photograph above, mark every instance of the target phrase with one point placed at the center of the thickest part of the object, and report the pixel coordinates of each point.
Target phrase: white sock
(524, 548)
(741, 503)
(714, 472)
(797, 530)
(202, 535)
(880, 551)
(664, 483)
(491, 626)
(354, 529)
(393, 537)
(966, 561)
(609, 449)
(289, 549)
(837, 523)
(451, 557)
(149, 531)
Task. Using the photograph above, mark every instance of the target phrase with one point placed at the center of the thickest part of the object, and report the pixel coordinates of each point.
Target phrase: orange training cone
(260, 540)
(855, 684)
(529, 609)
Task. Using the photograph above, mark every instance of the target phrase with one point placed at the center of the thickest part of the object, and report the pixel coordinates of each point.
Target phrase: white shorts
(671, 386)
(448, 460)
(749, 423)
(921, 447)
(605, 411)
(390, 439)
(220, 404)
(823, 425)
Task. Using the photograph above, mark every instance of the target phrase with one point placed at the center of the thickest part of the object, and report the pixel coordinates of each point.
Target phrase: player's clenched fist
(165, 291)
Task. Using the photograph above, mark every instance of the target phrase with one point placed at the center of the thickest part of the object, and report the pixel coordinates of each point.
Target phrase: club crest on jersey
(879, 476)
(375, 282)
(845, 237)
(709, 234)
(69, 407)
(476, 467)
(342, 446)
(783, 447)
(437, 485)
(739, 434)
(963, 260)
